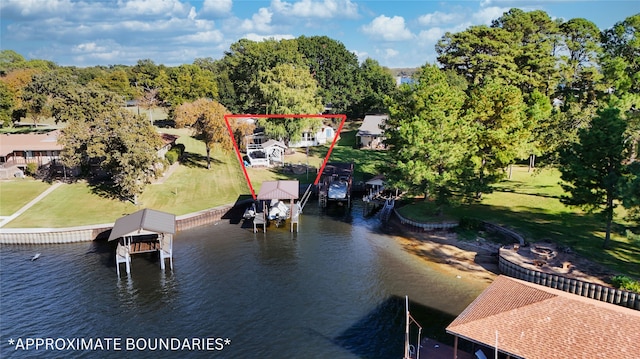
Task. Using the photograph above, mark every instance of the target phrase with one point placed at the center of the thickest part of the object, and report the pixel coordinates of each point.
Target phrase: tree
(427, 136)
(98, 129)
(42, 95)
(501, 133)
(289, 89)
(593, 168)
(128, 145)
(479, 53)
(631, 191)
(334, 68)
(621, 68)
(247, 59)
(206, 118)
(375, 84)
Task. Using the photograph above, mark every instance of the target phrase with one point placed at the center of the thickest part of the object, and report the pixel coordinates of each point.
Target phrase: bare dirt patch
(479, 258)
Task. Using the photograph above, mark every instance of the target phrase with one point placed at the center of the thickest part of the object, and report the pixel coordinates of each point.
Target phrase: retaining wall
(586, 289)
(99, 231)
(428, 226)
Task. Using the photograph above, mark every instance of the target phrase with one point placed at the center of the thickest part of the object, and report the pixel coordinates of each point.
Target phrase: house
(17, 150)
(371, 132)
(324, 135)
(266, 154)
(519, 319)
(42, 148)
(168, 141)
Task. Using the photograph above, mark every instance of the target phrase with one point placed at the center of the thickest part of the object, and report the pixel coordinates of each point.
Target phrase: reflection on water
(335, 289)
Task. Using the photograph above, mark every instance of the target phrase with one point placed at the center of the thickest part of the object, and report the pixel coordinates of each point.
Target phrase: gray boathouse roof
(145, 221)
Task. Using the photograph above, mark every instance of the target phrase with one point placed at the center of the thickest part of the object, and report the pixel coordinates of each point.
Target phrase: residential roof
(144, 222)
(271, 143)
(533, 321)
(371, 125)
(47, 141)
(168, 138)
(279, 190)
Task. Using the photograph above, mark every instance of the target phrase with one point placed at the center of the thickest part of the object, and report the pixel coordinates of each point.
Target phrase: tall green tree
(206, 119)
(375, 84)
(334, 68)
(592, 169)
(479, 53)
(502, 133)
(289, 89)
(98, 129)
(427, 136)
(621, 67)
(246, 60)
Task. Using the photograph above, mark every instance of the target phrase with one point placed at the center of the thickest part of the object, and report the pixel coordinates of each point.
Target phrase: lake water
(335, 289)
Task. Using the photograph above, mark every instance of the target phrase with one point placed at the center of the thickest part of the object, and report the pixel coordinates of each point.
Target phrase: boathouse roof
(145, 221)
(533, 321)
(279, 190)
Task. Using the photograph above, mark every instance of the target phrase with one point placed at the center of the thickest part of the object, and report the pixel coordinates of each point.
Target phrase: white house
(309, 139)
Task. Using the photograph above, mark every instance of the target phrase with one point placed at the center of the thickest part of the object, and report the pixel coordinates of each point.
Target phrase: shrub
(626, 283)
(32, 169)
(171, 156)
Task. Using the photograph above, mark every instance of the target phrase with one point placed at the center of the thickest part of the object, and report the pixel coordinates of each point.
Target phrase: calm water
(334, 290)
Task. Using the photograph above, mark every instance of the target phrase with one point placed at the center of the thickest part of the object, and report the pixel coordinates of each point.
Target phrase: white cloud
(388, 28)
(34, 8)
(260, 21)
(154, 7)
(213, 36)
(439, 18)
(486, 15)
(216, 7)
(325, 9)
(389, 53)
(431, 35)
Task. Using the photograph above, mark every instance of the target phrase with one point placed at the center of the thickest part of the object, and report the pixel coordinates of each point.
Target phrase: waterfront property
(277, 192)
(335, 183)
(371, 133)
(144, 231)
(18, 150)
(524, 320)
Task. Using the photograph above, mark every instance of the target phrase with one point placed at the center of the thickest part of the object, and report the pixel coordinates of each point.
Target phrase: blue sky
(173, 32)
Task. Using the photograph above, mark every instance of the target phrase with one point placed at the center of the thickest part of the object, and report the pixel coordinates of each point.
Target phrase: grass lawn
(16, 193)
(529, 203)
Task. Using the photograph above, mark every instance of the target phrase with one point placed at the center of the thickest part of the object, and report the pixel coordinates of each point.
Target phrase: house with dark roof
(519, 319)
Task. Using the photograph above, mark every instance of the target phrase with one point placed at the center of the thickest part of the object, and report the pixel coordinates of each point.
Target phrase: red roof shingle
(533, 321)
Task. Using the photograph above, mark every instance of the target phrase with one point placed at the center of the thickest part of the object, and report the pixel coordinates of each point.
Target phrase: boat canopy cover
(279, 190)
(144, 222)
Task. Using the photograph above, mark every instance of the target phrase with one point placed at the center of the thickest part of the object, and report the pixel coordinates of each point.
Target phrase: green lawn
(14, 194)
(529, 203)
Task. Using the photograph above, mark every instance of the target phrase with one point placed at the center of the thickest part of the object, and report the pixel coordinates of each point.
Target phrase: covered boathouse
(144, 231)
(278, 192)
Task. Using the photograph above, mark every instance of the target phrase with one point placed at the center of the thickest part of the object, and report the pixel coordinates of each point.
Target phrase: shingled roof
(279, 190)
(534, 321)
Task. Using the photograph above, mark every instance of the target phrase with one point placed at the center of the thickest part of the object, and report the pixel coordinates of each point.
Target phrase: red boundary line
(342, 118)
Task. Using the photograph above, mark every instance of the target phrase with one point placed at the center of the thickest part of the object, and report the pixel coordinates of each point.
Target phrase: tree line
(525, 88)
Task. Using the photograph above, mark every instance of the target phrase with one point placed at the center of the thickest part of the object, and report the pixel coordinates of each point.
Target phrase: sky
(173, 32)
